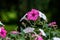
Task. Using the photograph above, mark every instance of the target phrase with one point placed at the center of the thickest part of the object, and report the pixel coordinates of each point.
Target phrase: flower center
(2, 32)
(33, 14)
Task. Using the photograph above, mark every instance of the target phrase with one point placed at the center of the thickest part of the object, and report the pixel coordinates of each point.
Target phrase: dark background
(12, 10)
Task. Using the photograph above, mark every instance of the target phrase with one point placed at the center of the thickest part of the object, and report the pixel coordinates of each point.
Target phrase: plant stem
(30, 23)
(30, 36)
(49, 34)
(43, 24)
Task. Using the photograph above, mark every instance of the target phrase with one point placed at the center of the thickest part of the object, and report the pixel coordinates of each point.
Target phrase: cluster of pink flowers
(32, 15)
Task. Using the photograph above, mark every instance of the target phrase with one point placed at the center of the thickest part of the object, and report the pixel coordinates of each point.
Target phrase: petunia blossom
(52, 24)
(43, 16)
(1, 23)
(14, 32)
(56, 38)
(1, 28)
(42, 32)
(24, 17)
(33, 15)
(3, 33)
(38, 38)
(28, 29)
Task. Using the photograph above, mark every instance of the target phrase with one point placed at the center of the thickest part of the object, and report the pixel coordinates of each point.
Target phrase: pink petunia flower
(3, 32)
(14, 32)
(33, 35)
(52, 23)
(1, 27)
(38, 38)
(33, 15)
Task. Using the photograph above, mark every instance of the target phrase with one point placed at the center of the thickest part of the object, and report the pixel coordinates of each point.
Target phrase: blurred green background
(12, 10)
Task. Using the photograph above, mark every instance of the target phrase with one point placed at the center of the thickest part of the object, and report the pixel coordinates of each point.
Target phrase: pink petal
(4, 33)
(38, 38)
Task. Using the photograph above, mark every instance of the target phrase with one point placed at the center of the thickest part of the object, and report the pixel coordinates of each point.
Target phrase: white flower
(41, 15)
(23, 17)
(1, 23)
(43, 33)
(28, 29)
(56, 38)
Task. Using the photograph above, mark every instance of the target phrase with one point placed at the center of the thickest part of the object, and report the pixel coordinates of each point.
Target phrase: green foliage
(10, 27)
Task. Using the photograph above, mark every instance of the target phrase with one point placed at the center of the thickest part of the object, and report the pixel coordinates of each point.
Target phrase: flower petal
(23, 17)
(42, 16)
(28, 29)
(56, 38)
(1, 23)
(43, 33)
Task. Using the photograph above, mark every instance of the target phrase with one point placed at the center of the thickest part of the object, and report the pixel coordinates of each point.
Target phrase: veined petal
(56, 38)
(41, 15)
(1, 23)
(42, 31)
(28, 29)
(23, 17)
(0, 29)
